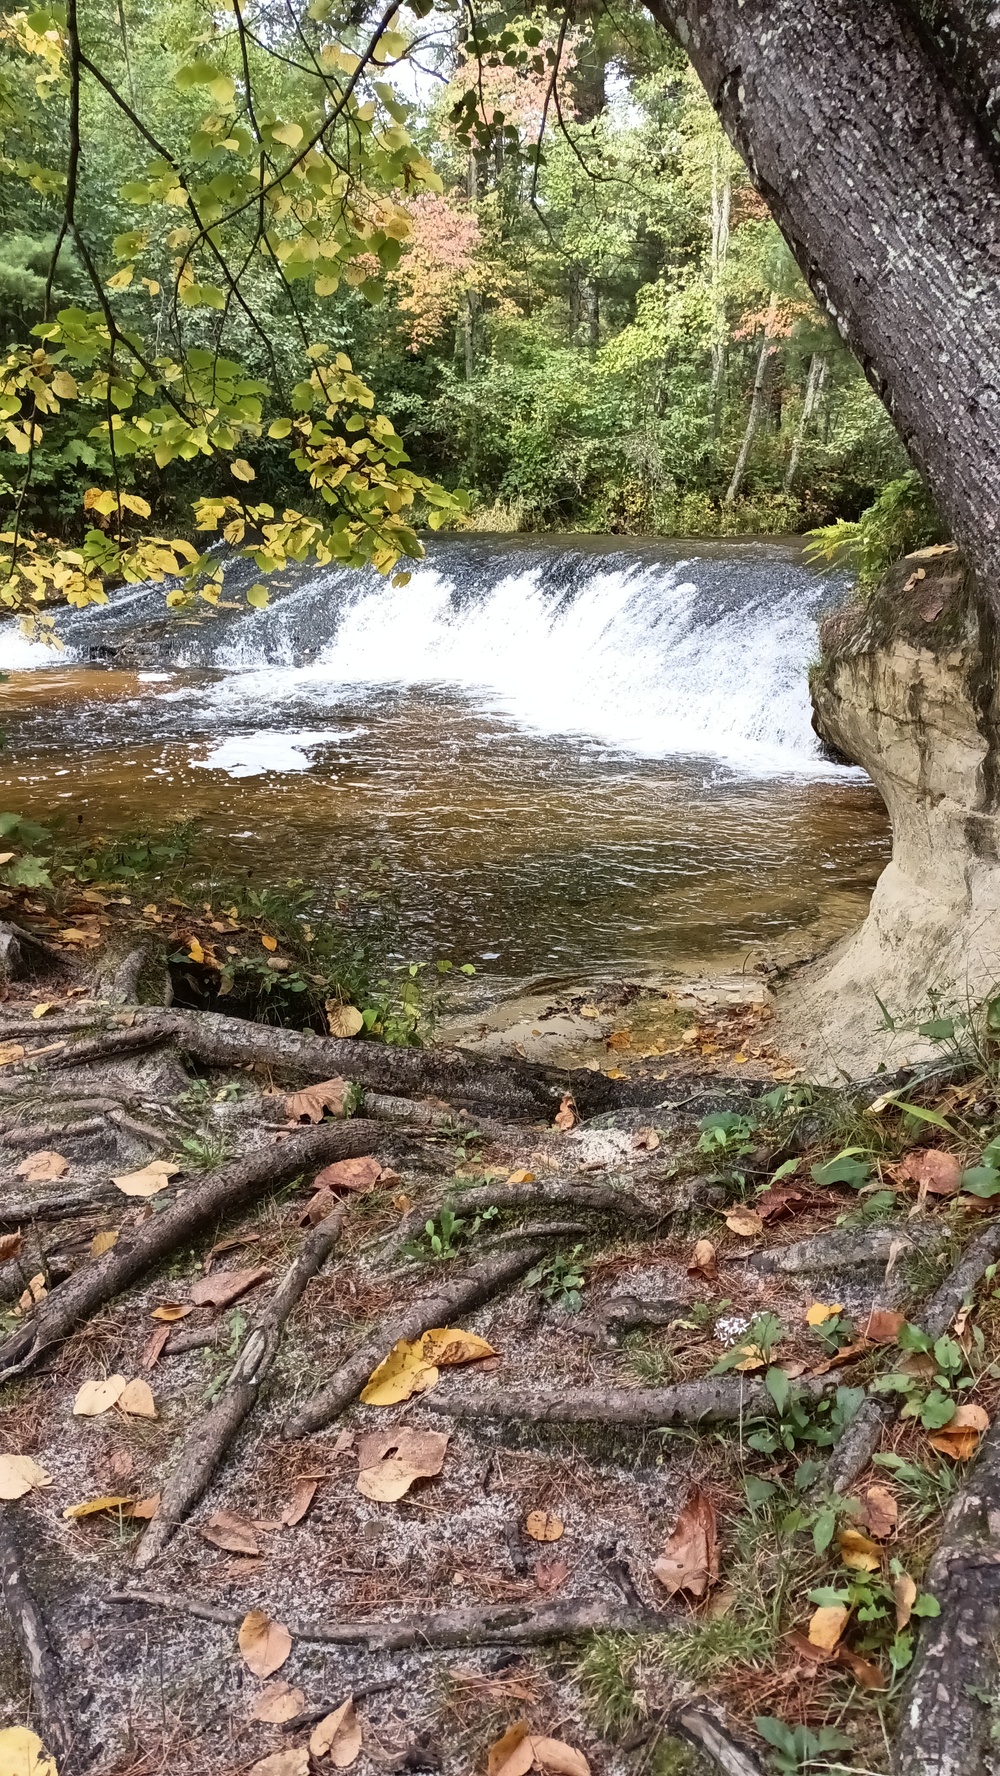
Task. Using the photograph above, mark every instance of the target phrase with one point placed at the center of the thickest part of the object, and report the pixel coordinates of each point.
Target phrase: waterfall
(657, 649)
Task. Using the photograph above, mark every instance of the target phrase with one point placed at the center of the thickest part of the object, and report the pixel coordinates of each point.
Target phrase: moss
(935, 611)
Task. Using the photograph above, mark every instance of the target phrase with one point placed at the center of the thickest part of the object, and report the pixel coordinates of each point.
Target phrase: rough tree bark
(884, 184)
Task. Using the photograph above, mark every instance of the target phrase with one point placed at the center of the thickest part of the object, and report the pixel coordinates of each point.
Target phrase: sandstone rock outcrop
(909, 688)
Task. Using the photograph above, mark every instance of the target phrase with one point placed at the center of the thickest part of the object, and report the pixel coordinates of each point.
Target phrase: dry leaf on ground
(33, 1294)
(19, 1474)
(225, 1286)
(703, 1261)
(550, 1576)
(279, 1703)
(103, 1242)
(152, 1350)
(778, 1201)
(862, 1670)
(690, 1558)
(882, 1326)
(349, 1174)
(137, 1400)
(858, 1552)
(554, 1758)
(904, 1593)
(23, 1754)
(446, 1346)
(92, 1507)
(543, 1526)
(390, 1461)
(10, 1245)
(337, 1736)
(171, 1311)
(881, 1512)
(343, 1020)
(959, 1438)
(293, 1762)
(302, 1497)
(412, 1365)
(309, 1104)
(151, 1179)
(265, 1644)
(521, 1178)
(95, 1397)
(566, 1117)
(227, 1529)
(827, 1624)
(821, 1311)
(11, 1052)
(42, 1167)
(936, 1172)
(143, 1509)
(645, 1140)
(519, 1751)
(746, 1222)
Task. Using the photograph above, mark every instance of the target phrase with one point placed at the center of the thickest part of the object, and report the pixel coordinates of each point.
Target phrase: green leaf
(924, 1115)
(779, 1387)
(842, 1170)
(258, 597)
(195, 74)
(983, 1180)
(823, 1530)
(28, 872)
(938, 1409)
(926, 1605)
(937, 1029)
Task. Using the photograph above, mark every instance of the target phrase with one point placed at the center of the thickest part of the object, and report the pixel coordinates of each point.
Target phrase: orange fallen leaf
(303, 1493)
(310, 1103)
(42, 1167)
(195, 951)
(703, 1261)
(858, 1552)
(827, 1624)
(904, 1593)
(959, 1438)
(269, 943)
(882, 1326)
(881, 1511)
(543, 1526)
(349, 1174)
(746, 1222)
(171, 1311)
(936, 1172)
(337, 1736)
(521, 1178)
(690, 1558)
(278, 1704)
(137, 1400)
(265, 1644)
(566, 1116)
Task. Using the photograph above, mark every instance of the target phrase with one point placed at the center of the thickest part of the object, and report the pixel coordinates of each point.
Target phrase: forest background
(585, 317)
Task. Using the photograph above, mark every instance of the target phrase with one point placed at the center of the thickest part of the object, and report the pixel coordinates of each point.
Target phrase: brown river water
(573, 757)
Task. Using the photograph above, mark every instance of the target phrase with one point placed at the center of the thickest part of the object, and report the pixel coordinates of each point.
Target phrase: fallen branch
(716, 1400)
(502, 1624)
(18, 1211)
(702, 1725)
(851, 1455)
(212, 1435)
(48, 1692)
(233, 1186)
(946, 1720)
(450, 1299)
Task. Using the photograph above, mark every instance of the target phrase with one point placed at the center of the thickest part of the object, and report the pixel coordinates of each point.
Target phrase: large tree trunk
(767, 350)
(884, 184)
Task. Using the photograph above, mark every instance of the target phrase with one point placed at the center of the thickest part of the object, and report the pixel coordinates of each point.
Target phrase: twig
(457, 1296)
(232, 1187)
(502, 1624)
(702, 1725)
(211, 1435)
(47, 1688)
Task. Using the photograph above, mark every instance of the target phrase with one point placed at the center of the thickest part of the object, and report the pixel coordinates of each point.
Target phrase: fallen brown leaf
(95, 1397)
(172, 1311)
(936, 1172)
(390, 1461)
(265, 1644)
(103, 1242)
(881, 1511)
(337, 1736)
(152, 1350)
(959, 1438)
(228, 1530)
(302, 1497)
(543, 1526)
(778, 1201)
(137, 1400)
(11, 1052)
(703, 1261)
(225, 1286)
(858, 1552)
(228, 1245)
(144, 1508)
(904, 1593)
(42, 1167)
(511, 1754)
(293, 1762)
(309, 1104)
(550, 1576)
(882, 1326)
(554, 1758)
(746, 1222)
(33, 1294)
(349, 1174)
(278, 1704)
(343, 1020)
(690, 1558)
(10, 1245)
(566, 1117)
(862, 1670)
(412, 1365)
(645, 1140)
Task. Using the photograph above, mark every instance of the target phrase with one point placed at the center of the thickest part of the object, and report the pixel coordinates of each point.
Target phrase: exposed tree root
(946, 1722)
(210, 1436)
(456, 1296)
(702, 1725)
(715, 1400)
(48, 1692)
(502, 1624)
(233, 1186)
(562, 1193)
(20, 1211)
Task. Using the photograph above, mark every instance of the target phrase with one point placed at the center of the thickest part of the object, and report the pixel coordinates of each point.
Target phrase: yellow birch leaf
(827, 1624)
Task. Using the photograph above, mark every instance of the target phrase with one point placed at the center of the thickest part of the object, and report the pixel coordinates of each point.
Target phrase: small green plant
(844, 1168)
(799, 1748)
(560, 1279)
(445, 1236)
(802, 1419)
(930, 1388)
(205, 1151)
(723, 1132)
(902, 519)
(764, 1332)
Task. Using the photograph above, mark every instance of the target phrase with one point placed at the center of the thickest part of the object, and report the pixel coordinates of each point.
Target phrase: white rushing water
(702, 653)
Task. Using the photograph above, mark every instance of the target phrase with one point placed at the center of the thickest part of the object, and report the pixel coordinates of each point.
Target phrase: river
(572, 756)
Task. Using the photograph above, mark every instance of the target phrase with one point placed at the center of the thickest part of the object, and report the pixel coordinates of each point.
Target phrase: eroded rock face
(908, 688)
